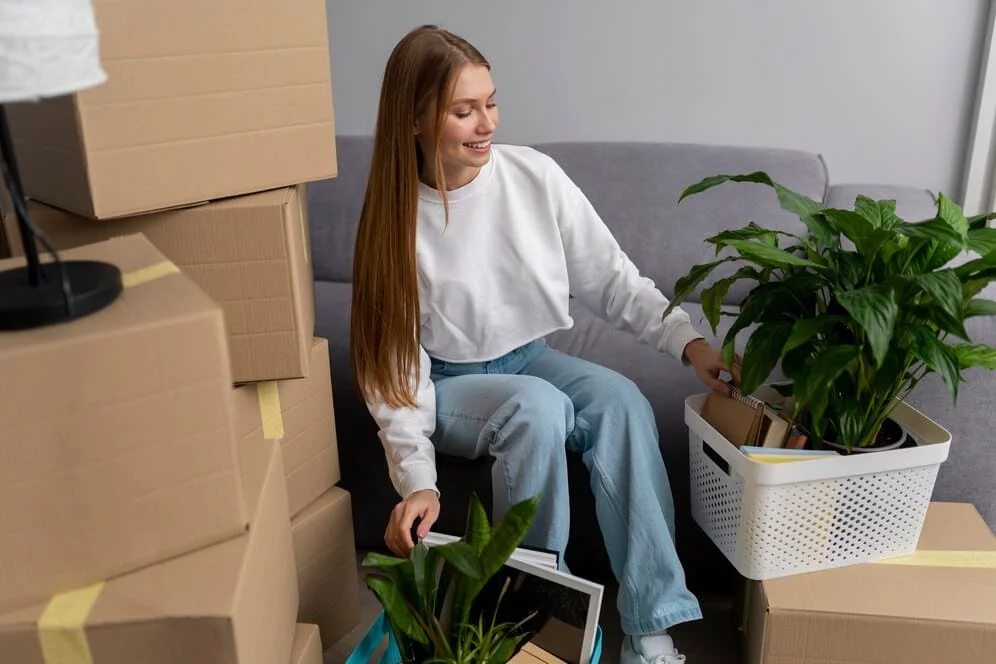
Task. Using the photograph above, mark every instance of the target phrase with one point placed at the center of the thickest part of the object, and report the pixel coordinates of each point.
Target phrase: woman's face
(468, 125)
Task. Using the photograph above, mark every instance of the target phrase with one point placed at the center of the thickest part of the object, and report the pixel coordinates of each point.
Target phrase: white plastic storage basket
(773, 520)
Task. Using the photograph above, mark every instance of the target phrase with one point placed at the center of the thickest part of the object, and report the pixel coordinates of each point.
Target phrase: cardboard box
(235, 97)
(533, 654)
(232, 603)
(117, 445)
(307, 645)
(249, 253)
(327, 577)
(299, 414)
(886, 613)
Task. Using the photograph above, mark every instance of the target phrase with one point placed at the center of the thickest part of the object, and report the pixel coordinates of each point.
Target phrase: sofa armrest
(912, 204)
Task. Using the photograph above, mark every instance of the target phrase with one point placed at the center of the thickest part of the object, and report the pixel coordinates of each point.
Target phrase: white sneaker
(650, 649)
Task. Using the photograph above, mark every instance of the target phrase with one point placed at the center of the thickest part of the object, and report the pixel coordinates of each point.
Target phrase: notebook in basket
(744, 419)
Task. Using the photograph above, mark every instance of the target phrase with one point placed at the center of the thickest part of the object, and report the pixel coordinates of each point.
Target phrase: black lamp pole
(40, 294)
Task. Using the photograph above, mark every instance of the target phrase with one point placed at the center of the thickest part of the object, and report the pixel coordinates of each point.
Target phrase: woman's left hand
(708, 363)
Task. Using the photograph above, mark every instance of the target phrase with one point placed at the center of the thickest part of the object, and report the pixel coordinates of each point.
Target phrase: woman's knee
(536, 411)
(618, 394)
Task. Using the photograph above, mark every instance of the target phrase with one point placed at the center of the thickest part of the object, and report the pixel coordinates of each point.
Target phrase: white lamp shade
(47, 48)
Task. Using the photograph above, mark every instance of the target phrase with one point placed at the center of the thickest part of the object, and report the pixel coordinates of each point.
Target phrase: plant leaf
(396, 608)
(463, 557)
(712, 300)
(881, 214)
(686, 284)
(866, 237)
(478, 526)
(945, 287)
(505, 537)
(789, 200)
(423, 577)
(750, 232)
(980, 307)
(971, 355)
(504, 651)
(813, 382)
(933, 230)
(980, 220)
(938, 356)
(807, 328)
(982, 240)
(381, 561)
(950, 213)
(874, 308)
(768, 256)
(712, 297)
(762, 353)
(936, 315)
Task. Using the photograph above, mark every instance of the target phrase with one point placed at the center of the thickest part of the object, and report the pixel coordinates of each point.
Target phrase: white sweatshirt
(521, 239)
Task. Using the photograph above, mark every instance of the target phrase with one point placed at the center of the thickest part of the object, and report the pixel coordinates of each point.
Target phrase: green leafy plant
(428, 598)
(854, 326)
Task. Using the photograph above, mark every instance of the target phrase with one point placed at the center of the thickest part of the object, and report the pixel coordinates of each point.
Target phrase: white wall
(884, 89)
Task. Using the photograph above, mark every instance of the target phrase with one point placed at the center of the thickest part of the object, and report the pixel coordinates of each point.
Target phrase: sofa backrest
(634, 186)
(334, 208)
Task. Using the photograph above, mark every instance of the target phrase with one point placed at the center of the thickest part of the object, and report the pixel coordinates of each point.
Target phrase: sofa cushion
(635, 188)
(334, 210)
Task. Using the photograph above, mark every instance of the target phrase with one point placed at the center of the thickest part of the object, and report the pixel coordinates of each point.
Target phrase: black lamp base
(92, 287)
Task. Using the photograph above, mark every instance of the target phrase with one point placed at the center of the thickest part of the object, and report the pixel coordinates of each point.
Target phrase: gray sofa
(635, 187)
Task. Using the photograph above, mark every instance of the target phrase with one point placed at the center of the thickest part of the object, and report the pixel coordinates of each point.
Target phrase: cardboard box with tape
(299, 414)
(938, 605)
(249, 253)
(325, 554)
(234, 602)
(118, 442)
(307, 645)
(235, 97)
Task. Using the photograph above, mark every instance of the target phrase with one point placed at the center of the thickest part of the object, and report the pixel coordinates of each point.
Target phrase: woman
(465, 258)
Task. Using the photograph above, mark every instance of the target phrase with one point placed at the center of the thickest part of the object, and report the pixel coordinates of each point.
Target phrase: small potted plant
(429, 597)
(856, 311)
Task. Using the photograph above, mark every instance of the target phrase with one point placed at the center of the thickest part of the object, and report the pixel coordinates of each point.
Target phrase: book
(783, 455)
(535, 556)
(744, 419)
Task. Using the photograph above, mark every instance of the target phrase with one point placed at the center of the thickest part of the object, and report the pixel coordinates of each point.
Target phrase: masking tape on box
(269, 410)
(146, 274)
(964, 559)
(60, 627)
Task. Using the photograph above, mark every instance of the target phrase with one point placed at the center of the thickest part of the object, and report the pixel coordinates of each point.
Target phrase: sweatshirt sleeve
(404, 433)
(607, 282)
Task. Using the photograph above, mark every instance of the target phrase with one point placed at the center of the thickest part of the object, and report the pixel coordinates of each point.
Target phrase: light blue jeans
(527, 409)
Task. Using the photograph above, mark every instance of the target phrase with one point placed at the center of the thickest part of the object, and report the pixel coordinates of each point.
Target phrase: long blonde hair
(384, 333)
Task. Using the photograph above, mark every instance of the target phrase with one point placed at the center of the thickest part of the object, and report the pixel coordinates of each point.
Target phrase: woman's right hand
(423, 505)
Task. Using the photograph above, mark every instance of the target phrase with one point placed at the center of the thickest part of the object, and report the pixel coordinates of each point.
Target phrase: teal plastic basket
(380, 630)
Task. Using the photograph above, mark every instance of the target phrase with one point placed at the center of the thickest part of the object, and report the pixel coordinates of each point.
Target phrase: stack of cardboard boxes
(168, 464)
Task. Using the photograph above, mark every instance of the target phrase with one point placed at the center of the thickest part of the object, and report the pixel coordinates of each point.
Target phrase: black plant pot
(891, 436)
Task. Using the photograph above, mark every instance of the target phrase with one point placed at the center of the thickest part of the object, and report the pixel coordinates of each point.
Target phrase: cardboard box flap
(950, 594)
(307, 645)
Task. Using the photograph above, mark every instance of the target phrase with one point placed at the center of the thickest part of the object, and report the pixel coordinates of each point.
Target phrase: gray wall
(884, 89)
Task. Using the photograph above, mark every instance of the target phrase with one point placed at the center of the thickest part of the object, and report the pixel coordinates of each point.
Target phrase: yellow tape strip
(146, 274)
(972, 559)
(269, 410)
(60, 627)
